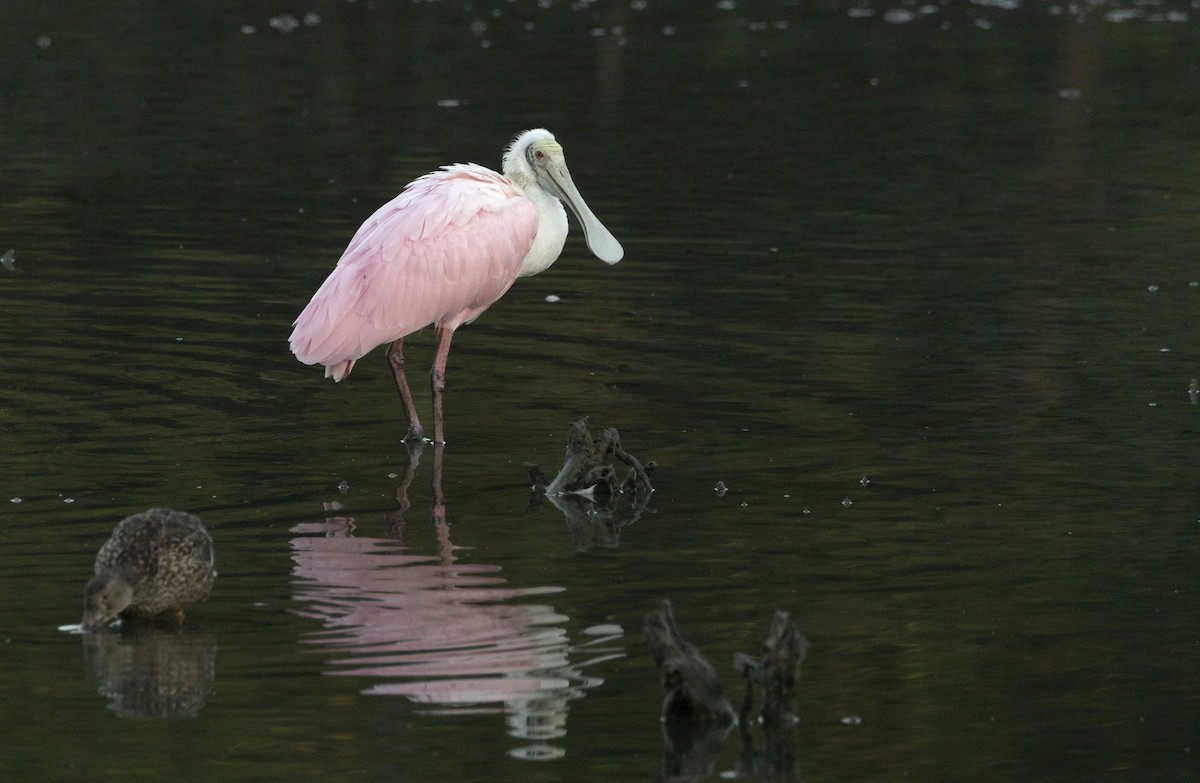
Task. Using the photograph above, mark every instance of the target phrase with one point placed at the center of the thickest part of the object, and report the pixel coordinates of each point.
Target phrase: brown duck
(155, 562)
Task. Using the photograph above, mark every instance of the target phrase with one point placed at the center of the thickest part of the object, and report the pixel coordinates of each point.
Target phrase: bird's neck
(551, 232)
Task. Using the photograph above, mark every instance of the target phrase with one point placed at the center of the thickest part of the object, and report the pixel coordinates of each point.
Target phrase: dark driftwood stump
(697, 717)
(774, 675)
(692, 686)
(588, 470)
(596, 502)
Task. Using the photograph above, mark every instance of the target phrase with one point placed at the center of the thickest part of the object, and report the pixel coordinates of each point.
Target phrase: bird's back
(165, 556)
(439, 253)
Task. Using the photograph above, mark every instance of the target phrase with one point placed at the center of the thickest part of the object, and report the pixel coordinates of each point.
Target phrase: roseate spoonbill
(441, 253)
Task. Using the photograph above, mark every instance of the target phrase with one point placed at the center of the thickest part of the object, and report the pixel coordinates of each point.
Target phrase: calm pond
(916, 285)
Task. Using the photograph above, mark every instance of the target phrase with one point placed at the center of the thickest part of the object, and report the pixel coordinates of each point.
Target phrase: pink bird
(441, 253)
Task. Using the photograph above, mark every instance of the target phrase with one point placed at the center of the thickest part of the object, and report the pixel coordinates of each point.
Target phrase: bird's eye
(539, 155)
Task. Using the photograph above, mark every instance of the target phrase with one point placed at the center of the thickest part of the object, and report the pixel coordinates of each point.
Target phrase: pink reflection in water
(440, 632)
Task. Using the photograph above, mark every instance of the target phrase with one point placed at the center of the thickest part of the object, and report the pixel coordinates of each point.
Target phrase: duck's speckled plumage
(156, 561)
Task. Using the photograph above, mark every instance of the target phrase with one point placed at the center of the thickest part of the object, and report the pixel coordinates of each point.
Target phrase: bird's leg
(395, 357)
(437, 381)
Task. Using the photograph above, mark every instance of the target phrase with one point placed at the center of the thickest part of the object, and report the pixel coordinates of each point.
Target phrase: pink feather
(439, 253)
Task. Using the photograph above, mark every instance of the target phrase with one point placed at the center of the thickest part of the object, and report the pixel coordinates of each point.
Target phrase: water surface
(918, 284)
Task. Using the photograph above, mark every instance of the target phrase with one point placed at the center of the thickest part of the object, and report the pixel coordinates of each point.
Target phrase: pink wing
(441, 252)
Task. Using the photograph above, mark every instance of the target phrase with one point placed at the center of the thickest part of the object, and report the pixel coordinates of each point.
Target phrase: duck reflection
(442, 633)
(152, 671)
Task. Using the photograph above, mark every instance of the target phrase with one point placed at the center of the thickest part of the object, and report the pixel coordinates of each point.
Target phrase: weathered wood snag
(692, 686)
(696, 716)
(596, 502)
(774, 674)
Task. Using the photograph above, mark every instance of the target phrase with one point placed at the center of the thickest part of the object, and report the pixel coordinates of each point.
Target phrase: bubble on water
(73, 628)
(928, 9)
(1152, 288)
(43, 42)
(983, 24)
(392, 475)
(1070, 94)
(552, 298)
(1007, 5)
(537, 753)
(898, 16)
(668, 30)
(1194, 284)
(449, 103)
(68, 500)
(720, 489)
(852, 720)
(14, 500)
(249, 29)
(638, 5)
(1120, 15)
(860, 12)
(864, 481)
(9, 260)
(312, 19)
(344, 486)
(847, 502)
(285, 23)
(727, 5)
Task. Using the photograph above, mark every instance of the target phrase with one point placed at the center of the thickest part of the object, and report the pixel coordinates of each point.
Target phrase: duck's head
(106, 596)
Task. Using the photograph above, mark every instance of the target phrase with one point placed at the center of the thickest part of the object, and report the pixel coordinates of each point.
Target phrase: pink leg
(395, 357)
(437, 381)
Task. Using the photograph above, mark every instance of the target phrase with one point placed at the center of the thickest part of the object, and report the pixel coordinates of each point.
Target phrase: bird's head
(107, 595)
(535, 159)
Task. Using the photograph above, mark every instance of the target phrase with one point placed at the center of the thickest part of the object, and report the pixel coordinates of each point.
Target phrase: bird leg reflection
(395, 358)
(396, 518)
(396, 523)
(444, 546)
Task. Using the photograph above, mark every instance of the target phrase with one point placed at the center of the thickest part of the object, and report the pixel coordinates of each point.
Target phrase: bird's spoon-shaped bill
(598, 238)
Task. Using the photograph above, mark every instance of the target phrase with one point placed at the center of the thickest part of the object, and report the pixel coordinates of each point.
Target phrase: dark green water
(956, 255)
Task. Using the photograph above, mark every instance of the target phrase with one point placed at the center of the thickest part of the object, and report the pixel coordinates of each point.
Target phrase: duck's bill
(598, 238)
